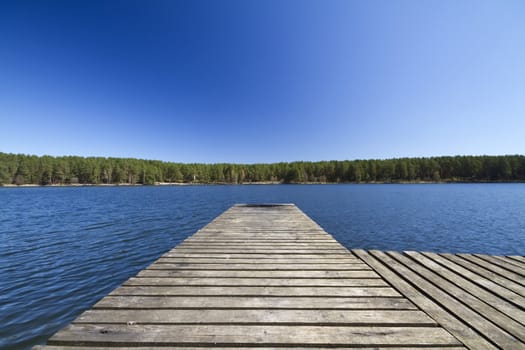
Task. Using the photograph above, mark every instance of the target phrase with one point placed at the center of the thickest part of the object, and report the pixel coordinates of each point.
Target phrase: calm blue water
(62, 249)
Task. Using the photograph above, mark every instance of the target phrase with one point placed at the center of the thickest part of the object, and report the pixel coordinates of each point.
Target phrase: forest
(20, 169)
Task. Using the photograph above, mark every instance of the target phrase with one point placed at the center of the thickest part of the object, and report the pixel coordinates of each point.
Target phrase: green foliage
(25, 169)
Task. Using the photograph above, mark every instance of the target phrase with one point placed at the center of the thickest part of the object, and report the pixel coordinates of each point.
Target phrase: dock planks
(267, 276)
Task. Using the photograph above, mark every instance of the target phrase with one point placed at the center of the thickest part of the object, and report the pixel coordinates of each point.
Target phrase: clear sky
(262, 81)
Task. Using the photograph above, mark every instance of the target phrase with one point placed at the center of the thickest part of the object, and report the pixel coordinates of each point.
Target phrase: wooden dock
(267, 276)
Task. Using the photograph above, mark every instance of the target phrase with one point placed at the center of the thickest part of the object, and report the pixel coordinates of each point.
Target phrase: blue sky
(262, 81)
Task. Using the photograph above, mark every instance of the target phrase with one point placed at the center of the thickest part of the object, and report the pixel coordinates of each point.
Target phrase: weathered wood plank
(272, 256)
(215, 228)
(65, 347)
(265, 266)
(259, 274)
(510, 261)
(302, 250)
(264, 245)
(62, 347)
(220, 239)
(259, 251)
(496, 278)
(478, 299)
(511, 267)
(271, 302)
(494, 268)
(257, 261)
(259, 291)
(454, 304)
(265, 227)
(197, 335)
(389, 269)
(495, 288)
(517, 258)
(254, 225)
(261, 282)
(398, 318)
(263, 236)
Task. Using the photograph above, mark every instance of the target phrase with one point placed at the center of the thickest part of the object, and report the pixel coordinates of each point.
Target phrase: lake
(62, 249)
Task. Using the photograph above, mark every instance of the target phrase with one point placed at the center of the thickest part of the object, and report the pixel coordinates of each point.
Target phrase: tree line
(20, 169)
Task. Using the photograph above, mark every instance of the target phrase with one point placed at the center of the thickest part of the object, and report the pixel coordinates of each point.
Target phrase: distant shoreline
(19, 169)
(168, 184)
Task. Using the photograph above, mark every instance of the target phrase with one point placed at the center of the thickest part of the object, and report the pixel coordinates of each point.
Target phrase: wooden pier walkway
(267, 276)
